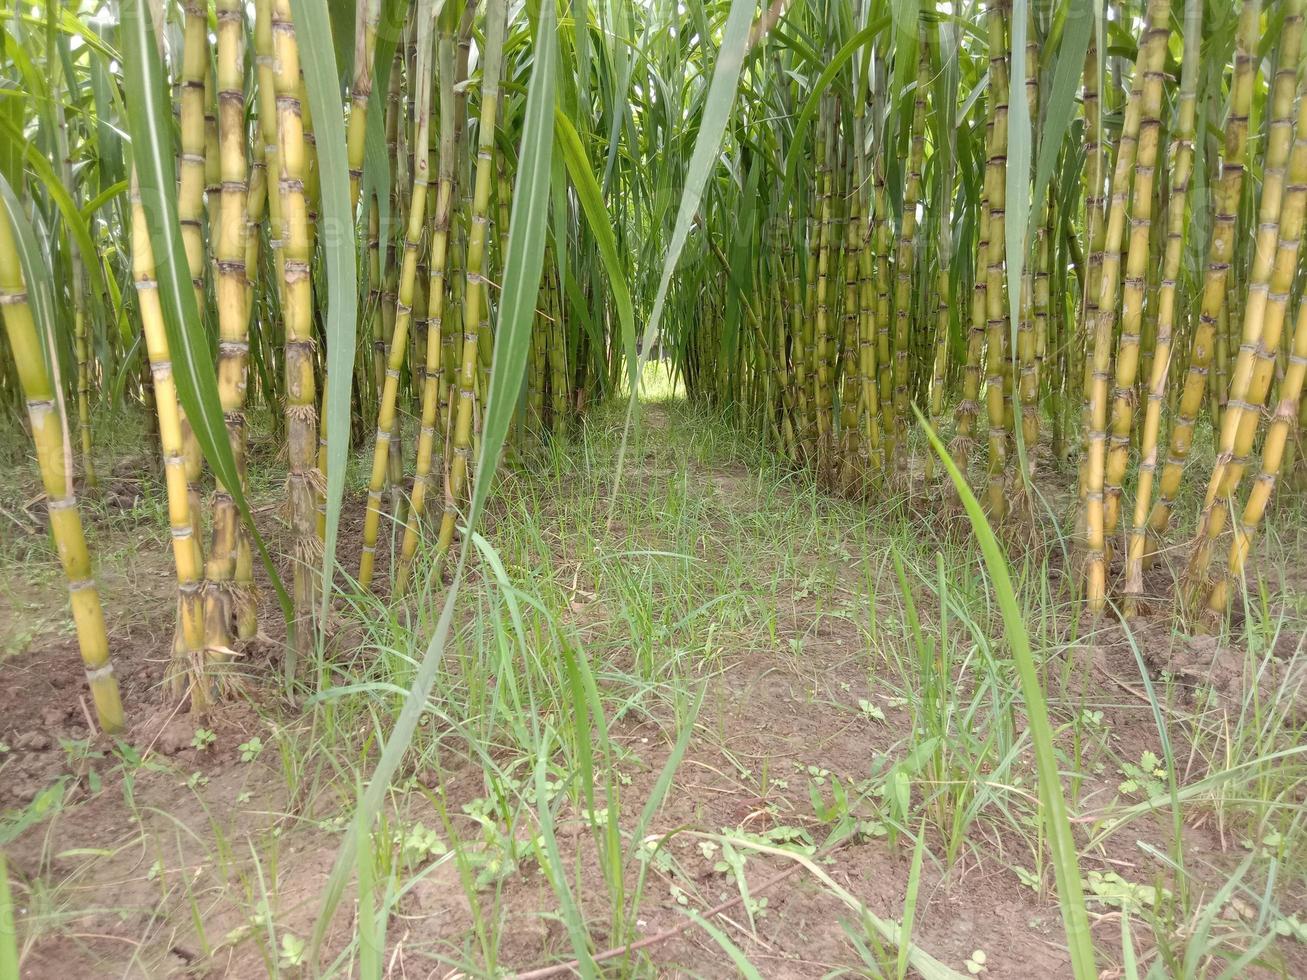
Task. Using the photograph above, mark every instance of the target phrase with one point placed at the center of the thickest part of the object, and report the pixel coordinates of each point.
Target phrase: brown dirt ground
(121, 920)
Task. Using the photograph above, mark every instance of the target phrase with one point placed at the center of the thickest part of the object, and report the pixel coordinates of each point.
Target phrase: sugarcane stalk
(367, 14)
(1275, 256)
(1283, 424)
(229, 250)
(1138, 254)
(45, 415)
(1226, 196)
(905, 262)
(1095, 470)
(304, 481)
(1182, 155)
(386, 414)
(473, 296)
(996, 312)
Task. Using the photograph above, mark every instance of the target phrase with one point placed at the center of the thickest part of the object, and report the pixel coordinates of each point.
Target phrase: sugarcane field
(653, 489)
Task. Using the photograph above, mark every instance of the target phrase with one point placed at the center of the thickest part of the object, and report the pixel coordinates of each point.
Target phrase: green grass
(589, 685)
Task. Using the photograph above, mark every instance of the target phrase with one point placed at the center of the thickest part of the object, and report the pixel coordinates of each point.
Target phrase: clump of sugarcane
(825, 316)
(1226, 198)
(1270, 278)
(387, 422)
(430, 463)
(1283, 423)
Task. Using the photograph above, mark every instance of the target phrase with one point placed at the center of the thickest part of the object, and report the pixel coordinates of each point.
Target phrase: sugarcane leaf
(1066, 865)
(8, 929)
(741, 962)
(601, 225)
(72, 216)
(1066, 76)
(36, 277)
(149, 114)
(523, 263)
(832, 70)
(322, 84)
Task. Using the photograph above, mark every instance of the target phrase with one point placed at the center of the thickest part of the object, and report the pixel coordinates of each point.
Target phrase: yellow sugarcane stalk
(264, 62)
(1095, 470)
(212, 153)
(304, 481)
(189, 657)
(192, 174)
(231, 288)
(53, 455)
(996, 311)
(1220, 253)
(1096, 171)
(1127, 156)
(191, 164)
(1136, 266)
(1182, 155)
(1282, 427)
(386, 415)
(428, 436)
(1263, 320)
(366, 16)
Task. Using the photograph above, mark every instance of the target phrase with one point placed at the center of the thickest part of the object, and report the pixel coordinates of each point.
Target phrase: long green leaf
(1066, 866)
(322, 82)
(746, 969)
(74, 220)
(828, 75)
(601, 224)
(8, 928)
(40, 295)
(1066, 78)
